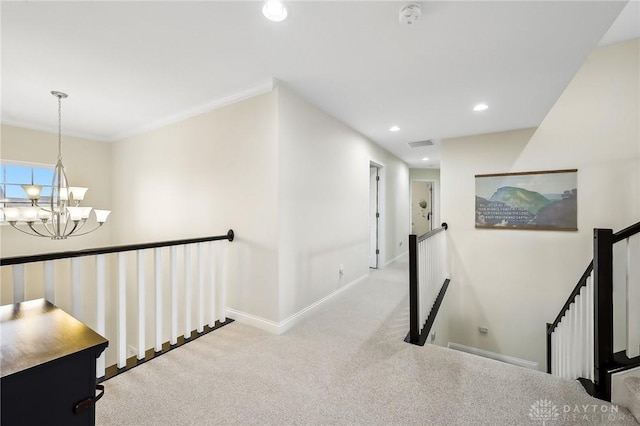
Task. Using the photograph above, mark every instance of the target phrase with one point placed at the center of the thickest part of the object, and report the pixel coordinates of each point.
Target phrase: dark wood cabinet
(47, 366)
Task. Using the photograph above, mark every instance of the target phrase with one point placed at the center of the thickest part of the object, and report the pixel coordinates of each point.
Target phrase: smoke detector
(410, 13)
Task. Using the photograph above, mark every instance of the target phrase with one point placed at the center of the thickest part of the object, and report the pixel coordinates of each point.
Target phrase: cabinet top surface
(36, 332)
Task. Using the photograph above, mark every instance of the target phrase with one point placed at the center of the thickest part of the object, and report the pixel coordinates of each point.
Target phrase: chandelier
(63, 216)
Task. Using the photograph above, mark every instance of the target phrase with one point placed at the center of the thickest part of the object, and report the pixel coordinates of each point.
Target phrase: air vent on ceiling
(418, 144)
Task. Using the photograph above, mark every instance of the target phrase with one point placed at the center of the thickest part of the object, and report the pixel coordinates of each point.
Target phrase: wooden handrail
(5, 261)
(430, 234)
(433, 313)
(576, 290)
(626, 233)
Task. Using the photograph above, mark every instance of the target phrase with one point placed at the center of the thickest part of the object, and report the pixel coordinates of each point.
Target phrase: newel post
(414, 315)
(603, 309)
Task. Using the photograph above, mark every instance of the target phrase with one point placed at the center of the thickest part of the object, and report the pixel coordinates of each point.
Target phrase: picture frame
(539, 200)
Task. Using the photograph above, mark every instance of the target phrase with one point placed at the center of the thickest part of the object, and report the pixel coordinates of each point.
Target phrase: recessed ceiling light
(425, 159)
(394, 128)
(274, 10)
(480, 107)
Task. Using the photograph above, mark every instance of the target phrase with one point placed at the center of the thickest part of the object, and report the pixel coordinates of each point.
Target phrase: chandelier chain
(59, 127)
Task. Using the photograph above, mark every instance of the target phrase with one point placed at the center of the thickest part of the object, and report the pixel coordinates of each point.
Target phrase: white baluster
(590, 329)
(100, 309)
(76, 288)
(556, 368)
(222, 310)
(158, 285)
(421, 284)
(212, 283)
(554, 344)
(19, 282)
(584, 371)
(187, 291)
(49, 281)
(201, 278)
(141, 305)
(174, 295)
(560, 350)
(122, 310)
(633, 296)
(554, 350)
(566, 347)
(570, 344)
(577, 328)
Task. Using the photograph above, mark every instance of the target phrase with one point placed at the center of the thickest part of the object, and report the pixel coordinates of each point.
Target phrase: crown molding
(263, 87)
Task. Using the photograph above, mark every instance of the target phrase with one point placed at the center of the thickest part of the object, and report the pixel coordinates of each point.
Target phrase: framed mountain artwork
(546, 200)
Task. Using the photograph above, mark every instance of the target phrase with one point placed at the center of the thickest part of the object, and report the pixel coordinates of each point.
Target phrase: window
(14, 174)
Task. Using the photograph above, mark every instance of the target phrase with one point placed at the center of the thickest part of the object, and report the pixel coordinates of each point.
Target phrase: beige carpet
(347, 364)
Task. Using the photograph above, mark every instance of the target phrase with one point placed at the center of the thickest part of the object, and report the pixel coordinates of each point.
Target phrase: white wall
(324, 203)
(513, 282)
(200, 177)
(290, 180)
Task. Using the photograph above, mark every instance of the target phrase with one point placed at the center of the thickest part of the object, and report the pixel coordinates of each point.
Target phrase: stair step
(633, 386)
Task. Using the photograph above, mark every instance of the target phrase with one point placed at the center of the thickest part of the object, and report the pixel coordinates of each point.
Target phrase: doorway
(421, 206)
(374, 215)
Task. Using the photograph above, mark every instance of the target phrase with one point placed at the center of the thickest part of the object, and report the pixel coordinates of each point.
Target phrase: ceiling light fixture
(274, 11)
(480, 107)
(64, 216)
(425, 159)
(394, 128)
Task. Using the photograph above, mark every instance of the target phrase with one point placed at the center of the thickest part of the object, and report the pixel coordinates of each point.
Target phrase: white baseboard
(282, 326)
(492, 355)
(253, 320)
(404, 253)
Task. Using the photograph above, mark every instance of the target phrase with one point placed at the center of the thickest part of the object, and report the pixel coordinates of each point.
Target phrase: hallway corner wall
(514, 281)
(324, 203)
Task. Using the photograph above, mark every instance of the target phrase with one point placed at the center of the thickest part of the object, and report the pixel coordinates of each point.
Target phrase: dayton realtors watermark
(547, 412)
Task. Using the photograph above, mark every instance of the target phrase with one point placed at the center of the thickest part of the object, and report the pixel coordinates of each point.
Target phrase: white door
(373, 217)
(421, 206)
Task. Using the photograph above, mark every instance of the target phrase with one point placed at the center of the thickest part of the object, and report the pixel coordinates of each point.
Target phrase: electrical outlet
(400, 244)
(483, 330)
(433, 337)
(341, 270)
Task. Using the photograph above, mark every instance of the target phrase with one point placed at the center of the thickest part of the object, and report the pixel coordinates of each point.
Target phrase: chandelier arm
(78, 226)
(66, 225)
(35, 230)
(25, 232)
(75, 226)
(45, 225)
(87, 232)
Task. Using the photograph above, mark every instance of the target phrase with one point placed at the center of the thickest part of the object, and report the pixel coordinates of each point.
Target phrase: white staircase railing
(572, 340)
(144, 298)
(597, 332)
(631, 287)
(428, 281)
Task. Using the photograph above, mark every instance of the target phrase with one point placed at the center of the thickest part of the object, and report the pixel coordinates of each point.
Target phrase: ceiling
(132, 66)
